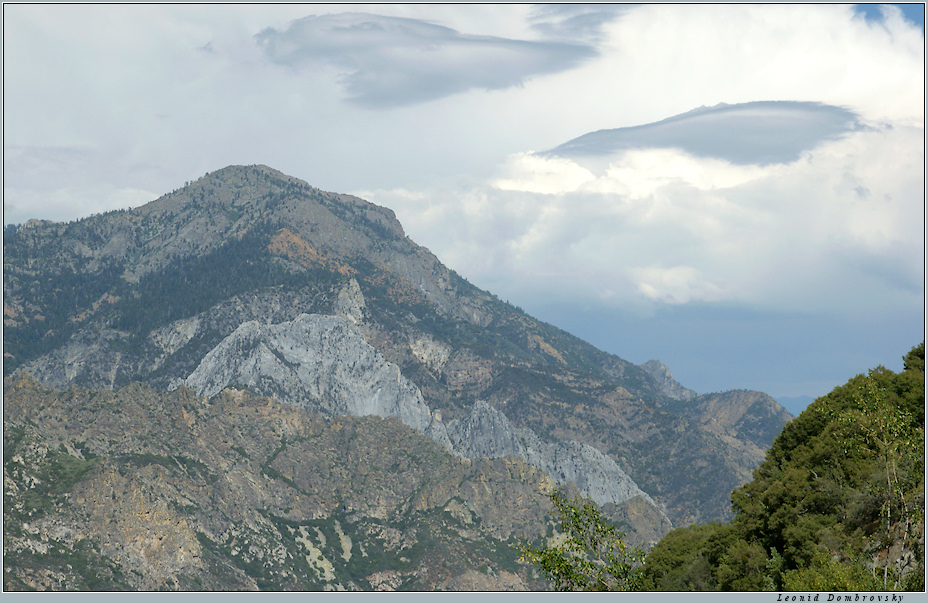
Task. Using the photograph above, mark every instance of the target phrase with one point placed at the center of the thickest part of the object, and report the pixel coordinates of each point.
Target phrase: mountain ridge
(158, 287)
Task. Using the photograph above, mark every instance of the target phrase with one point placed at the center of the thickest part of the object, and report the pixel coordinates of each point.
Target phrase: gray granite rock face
(318, 362)
(487, 432)
(323, 363)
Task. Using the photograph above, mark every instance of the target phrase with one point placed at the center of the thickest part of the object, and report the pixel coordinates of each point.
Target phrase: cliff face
(323, 363)
(488, 433)
(251, 279)
(316, 362)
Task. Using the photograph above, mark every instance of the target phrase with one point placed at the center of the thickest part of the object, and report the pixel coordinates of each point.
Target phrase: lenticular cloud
(391, 61)
(762, 133)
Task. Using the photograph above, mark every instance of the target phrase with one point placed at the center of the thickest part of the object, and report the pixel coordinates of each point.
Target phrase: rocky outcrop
(324, 364)
(753, 418)
(317, 362)
(488, 433)
(89, 359)
(103, 357)
(350, 303)
(431, 353)
(666, 384)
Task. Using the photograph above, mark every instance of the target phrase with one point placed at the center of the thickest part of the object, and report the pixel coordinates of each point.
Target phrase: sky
(736, 190)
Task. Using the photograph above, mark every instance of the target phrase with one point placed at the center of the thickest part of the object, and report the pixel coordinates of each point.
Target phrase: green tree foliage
(190, 285)
(680, 561)
(589, 553)
(827, 573)
(838, 503)
(61, 294)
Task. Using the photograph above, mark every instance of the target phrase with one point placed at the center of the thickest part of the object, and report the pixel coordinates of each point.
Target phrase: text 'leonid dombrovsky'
(841, 598)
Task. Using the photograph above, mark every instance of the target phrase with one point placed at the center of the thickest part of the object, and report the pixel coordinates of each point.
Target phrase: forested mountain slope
(837, 504)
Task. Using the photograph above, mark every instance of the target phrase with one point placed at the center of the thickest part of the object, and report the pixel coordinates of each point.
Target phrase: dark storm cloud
(762, 132)
(393, 61)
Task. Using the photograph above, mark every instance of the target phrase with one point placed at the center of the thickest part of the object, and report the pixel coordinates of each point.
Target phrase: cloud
(648, 227)
(103, 102)
(838, 230)
(574, 21)
(66, 204)
(393, 61)
(759, 132)
(676, 285)
(536, 174)
(134, 84)
(60, 183)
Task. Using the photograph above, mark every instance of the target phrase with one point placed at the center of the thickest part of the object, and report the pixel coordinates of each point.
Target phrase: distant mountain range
(249, 280)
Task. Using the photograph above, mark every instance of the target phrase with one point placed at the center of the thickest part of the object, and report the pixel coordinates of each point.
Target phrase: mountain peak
(667, 385)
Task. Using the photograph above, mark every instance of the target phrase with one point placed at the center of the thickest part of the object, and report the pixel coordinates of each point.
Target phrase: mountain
(238, 492)
(838, 503)
(252, 280)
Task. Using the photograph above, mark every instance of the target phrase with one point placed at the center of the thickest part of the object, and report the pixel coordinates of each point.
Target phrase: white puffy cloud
(676, 285)
(838, 230)
(678, 57)
(544, 175)
(641, 172)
